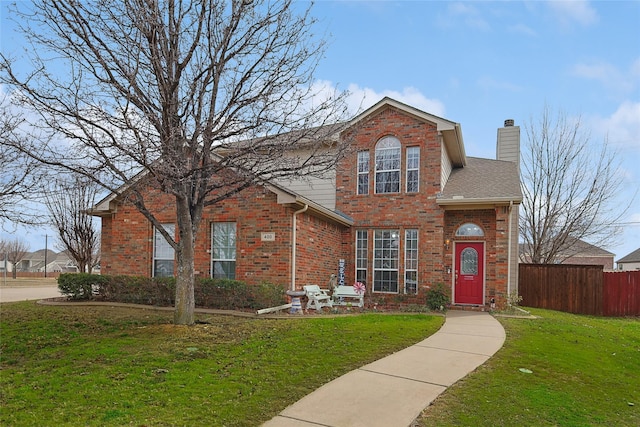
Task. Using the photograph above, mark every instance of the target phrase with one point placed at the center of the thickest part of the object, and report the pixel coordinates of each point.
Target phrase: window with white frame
(388, 165)
(163, 253)
(362, 255)
(413, 169)
(469, 229)
(411, 261)
(385, 260)
(363, 172)
(223, 250)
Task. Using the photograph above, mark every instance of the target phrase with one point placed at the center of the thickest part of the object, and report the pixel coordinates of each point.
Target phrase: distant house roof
(579, 249)
(482, 181)
(582, 248)
(632, 257)
(39, 255)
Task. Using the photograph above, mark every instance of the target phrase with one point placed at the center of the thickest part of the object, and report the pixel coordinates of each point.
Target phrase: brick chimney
(508, 145)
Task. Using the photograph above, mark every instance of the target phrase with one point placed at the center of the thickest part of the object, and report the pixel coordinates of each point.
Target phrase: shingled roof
(482, 181)
(632, 257)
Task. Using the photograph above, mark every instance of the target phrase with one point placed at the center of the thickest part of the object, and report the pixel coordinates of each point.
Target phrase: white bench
(317, 298)
(347, 295)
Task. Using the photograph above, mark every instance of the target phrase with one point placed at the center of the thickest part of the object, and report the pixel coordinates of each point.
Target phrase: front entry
(469, 273)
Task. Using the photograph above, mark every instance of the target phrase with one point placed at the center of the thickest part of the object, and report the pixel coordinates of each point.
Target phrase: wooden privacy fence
(580, 289)
(33, 274)
(621, 294)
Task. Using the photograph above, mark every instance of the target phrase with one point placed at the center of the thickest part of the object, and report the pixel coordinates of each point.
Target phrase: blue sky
(479, 63)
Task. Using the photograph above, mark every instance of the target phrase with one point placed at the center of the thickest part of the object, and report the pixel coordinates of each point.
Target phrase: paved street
(21, 293)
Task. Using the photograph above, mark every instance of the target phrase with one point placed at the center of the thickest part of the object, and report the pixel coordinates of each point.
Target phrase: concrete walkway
(393, 391)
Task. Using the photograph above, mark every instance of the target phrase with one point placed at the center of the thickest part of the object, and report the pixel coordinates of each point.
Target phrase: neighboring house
(630, 262)
(34, 262)
(5, 265)
(61, 263)
(584, 253)
(406, 210)
(580, 253)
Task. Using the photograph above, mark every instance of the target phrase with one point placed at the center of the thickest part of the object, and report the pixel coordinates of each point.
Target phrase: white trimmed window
(469, 229)
(411, 261)
(388, 165)
(413, 169)
(163, 253)
(363, 172)
(385, 260)
(362, 255)
(223, 250)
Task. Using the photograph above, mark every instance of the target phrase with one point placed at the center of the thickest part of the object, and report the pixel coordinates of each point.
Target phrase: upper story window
(469, 229)
(363, 172)
(413, 169)
(388, 165)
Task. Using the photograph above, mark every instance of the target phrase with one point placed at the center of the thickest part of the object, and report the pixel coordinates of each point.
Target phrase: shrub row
(209, 293)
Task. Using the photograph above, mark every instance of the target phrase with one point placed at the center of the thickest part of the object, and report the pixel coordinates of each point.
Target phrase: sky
(479, 63)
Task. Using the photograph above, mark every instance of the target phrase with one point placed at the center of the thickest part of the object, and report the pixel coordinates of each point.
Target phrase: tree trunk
(185, 277)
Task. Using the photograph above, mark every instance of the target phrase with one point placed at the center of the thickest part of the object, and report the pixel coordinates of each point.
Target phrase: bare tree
(163, 91)
(569, 187)
(69, 204)
(16, 250)
(18, 180)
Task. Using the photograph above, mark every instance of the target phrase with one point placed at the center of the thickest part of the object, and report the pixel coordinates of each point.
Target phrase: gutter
(293, 246)
(460, 200)
(509, 251)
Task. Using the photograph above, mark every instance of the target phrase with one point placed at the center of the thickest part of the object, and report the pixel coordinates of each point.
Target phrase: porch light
(446, 243)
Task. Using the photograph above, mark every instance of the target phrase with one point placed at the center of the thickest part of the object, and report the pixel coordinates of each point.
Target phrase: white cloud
(610, 76)
(579, 11)
(469, 15)
(622, 127)
(363, 98)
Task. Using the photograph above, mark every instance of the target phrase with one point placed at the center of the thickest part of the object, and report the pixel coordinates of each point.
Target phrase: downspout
(293, 247)
(509, 251)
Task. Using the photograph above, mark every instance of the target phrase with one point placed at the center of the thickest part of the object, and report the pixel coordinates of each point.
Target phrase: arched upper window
(388, 165)
(469, 229)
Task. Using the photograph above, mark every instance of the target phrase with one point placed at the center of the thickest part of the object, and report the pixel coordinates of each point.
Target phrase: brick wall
(396, 211)
(318, 251)
(127, 244)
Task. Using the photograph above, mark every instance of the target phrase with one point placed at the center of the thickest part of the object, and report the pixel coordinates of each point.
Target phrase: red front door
(469, 273)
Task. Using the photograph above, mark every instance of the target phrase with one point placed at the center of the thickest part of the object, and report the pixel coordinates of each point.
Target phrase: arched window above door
(469, 229)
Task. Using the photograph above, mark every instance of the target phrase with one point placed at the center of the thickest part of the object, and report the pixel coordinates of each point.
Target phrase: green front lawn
(115, 366)
(585, 372)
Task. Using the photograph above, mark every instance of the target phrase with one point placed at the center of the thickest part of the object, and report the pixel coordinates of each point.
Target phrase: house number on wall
(268, 237)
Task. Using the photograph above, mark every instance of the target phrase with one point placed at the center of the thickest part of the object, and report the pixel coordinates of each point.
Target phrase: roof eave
(455, 145)
(286, 197)
(467, 203)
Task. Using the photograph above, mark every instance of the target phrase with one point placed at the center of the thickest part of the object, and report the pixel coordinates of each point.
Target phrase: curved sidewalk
(394, 390)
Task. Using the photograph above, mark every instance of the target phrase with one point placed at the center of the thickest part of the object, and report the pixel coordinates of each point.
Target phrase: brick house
(407, 209)
(579, 253)
(630, 262)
